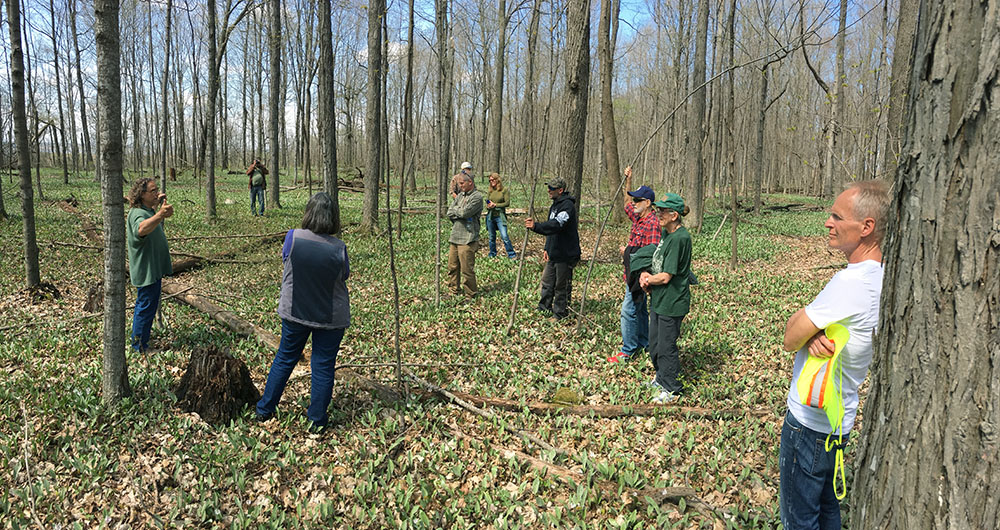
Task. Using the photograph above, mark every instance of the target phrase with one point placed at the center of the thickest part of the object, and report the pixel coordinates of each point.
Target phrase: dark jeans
(493, 224)
(326, 344)
(663, 353)
(807, 498)
(257, 195)
(147, 300)
(557, 287)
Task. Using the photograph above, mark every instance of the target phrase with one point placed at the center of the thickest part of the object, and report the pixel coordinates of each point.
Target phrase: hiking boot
(261, 418)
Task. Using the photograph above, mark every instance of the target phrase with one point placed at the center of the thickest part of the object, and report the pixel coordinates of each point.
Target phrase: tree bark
(20, 117)
(88, 155)
(373, 119)
(163, 100)
(902, 60)
(496, 106)
(210, 112)
(55, 66)
(609, 134)
(274, 96)
(697, 119)
(114, 380)
(328, 110)
(929, 452)
(576, 93)
(836, 107)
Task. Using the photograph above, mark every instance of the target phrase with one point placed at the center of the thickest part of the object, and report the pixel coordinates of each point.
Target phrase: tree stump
(216, 385)
(95, 298)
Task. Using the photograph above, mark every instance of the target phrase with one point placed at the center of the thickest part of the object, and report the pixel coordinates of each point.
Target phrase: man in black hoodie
(562, 249)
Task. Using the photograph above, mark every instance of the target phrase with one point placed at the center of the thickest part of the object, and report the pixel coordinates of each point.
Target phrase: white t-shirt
(852, 299)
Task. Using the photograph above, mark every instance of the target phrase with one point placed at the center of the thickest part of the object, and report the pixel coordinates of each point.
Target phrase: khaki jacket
(464, 213)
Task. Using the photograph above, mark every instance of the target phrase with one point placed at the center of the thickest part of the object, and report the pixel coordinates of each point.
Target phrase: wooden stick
(480, 412)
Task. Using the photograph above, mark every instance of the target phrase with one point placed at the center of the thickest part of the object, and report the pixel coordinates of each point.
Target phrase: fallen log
(607, 411)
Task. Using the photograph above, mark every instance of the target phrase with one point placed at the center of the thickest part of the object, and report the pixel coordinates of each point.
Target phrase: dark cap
(644, 192)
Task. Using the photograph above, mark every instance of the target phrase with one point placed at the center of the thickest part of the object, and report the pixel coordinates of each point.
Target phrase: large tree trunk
(20, 117)
(697, 119)
(114, 380)
(930, 444)
(210, 112)
(577, 89)
(902, 60)
(328, 111)
(274, 96)
(609, 10)
(373, 120)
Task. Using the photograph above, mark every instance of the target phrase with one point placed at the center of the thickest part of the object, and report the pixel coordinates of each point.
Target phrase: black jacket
(562, 241)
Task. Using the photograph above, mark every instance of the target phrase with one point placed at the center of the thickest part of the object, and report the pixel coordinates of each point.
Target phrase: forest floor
(417, 462)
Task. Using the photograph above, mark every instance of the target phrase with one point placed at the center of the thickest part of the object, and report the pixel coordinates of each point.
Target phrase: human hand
(529, 223)
(820, 346)
(166, 209)
(644, 281)
(621, 251)
(545, 256)
(628, 172)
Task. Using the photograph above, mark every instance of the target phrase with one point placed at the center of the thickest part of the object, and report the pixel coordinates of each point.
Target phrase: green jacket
(148, 256)
(500, 200)
(464, 213)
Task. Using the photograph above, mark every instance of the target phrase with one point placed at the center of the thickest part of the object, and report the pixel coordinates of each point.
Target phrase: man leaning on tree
(148, 254)
(811, 478)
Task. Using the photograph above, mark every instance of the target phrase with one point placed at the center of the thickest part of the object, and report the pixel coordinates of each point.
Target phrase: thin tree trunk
(496, 107)
(373, 120)
(928, 455)
(32, 277)
(55, 66)
(730, 136)
(443, 94)
(163, 100)
(114, 380)
(902, 61)
(697, 120)
(836, 107)
(609, 134)
(328, 111)
(210, 112)
(758, 174)
(274, 97)
(88, 156)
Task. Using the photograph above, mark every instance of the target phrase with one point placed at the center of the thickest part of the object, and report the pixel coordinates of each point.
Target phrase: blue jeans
(147, 300)
(494, 223)
(257, 195)
(635, 324)
(326, 344)
(807, 498)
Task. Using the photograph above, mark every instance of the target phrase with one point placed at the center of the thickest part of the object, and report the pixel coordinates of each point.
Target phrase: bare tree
(496, 106)
(55, 65)
(697, 118)
(213, 90)
(576, 95)
(114, 381)
(20, 118)
(328, 110)
(369, 206)
(88, 156)
(929, 455)
(163, 99)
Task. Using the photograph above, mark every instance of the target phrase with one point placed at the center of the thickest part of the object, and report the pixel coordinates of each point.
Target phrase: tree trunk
(55, 66)
(496, 106)
(328, 110)
(608, 132)
(929, 449)
(697, 119)
(758, 174)
(210, 113)
(577, 89)
(114, 380)
(836, 107)
(408, 142)
(20, 117)
(902, 60)
(88, 155)
(163, 100)
(274, 96)
(730, 137)
(443, 96)
(373, 119)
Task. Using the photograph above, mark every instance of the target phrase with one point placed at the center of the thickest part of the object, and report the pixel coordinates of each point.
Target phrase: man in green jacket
(148, 254)
(466, 207)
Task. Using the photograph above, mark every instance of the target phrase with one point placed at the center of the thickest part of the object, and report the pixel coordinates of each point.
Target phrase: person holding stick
(562, 249)
(148, 255)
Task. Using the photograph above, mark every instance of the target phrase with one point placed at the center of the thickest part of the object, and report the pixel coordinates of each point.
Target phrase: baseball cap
(466, 165)
(644, 192)
(671, 201)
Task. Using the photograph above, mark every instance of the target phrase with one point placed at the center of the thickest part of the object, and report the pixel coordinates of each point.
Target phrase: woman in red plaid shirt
(645, 231)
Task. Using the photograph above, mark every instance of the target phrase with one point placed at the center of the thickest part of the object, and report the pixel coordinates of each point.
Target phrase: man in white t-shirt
(851, 298)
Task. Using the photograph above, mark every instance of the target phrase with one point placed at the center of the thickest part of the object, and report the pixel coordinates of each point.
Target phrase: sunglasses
(552, 189)
(638, 199)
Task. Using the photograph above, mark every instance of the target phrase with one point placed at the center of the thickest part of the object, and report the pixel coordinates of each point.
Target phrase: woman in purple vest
(313, 301)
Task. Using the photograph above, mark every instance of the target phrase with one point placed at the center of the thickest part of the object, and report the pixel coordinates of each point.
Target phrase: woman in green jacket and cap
(666, 280)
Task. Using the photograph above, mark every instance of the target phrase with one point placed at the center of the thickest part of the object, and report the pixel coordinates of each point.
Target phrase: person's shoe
(619, 357)
(261, 418)
(665, 397)
(654, 385)
(544, 309)
(513, 256)
(318, 429)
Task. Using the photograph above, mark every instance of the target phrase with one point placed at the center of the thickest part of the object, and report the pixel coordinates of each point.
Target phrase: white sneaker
(665, 397)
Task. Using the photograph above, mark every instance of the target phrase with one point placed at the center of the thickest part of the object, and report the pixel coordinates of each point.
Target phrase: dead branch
(233, 236)
(607, 411)
(480, 412)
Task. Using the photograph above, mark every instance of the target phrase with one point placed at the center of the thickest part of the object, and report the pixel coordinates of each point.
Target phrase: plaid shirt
(645, 230)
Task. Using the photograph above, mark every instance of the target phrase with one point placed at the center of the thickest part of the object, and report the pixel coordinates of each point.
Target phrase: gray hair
(466, 177)
(872, 201)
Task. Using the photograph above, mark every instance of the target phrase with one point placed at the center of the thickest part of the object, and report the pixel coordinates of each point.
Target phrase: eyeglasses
(552, 189)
